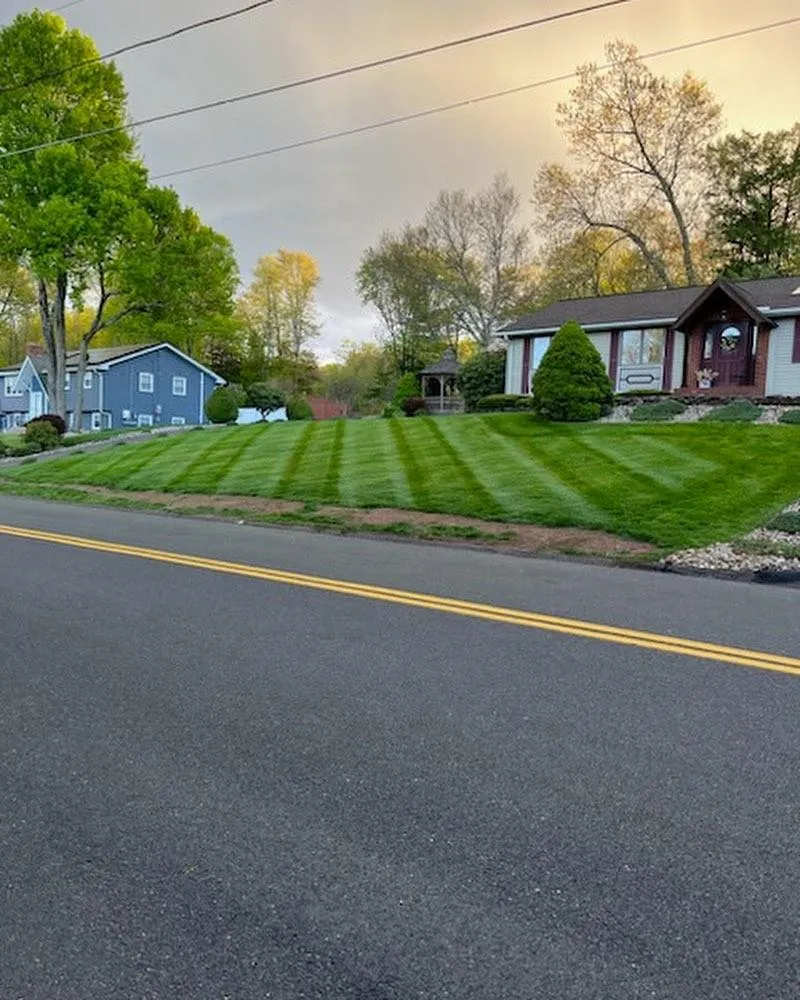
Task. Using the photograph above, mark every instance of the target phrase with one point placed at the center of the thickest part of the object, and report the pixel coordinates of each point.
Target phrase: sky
(335, 199)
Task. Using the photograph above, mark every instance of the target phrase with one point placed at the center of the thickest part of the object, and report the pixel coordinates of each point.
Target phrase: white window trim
(184, 382)
(87, 380)
(9, 381)
(144, 420)
(97, 421)
(151, 377)
(67, 382)
(178, 421)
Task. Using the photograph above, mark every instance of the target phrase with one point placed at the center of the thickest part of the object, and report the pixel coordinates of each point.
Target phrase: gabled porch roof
(735, 293)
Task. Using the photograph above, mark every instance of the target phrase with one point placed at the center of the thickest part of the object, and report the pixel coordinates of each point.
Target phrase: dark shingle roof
(102, 355)
(447, 365)
(651, 307)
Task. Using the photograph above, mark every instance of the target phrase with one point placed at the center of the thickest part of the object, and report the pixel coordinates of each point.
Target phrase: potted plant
(705, 378)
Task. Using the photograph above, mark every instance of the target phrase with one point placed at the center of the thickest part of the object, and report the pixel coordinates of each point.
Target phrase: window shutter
(796, 344)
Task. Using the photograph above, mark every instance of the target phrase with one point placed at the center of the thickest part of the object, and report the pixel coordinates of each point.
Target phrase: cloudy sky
(334, 199)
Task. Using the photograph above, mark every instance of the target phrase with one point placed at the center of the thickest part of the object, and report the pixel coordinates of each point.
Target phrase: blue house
(132, 386)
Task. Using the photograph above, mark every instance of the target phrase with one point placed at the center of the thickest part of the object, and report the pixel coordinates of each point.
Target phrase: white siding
(514, 366)
(783, 377)
(679, 353)
(602, 341)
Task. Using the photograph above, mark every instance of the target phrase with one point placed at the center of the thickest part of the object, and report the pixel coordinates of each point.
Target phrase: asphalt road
(218, 787)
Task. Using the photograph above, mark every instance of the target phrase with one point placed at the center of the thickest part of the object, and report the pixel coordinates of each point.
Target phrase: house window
(97, 421)
(178, 421)
(643, 347)
(87, 380)
(67, 382)
(9, 386)
(146, 381)
(145, 420)
(539, 347)
(178, 385)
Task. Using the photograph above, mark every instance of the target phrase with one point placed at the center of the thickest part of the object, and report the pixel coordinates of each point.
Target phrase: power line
(322, 77)
(144, 43)
(66, 6)
(441, 109)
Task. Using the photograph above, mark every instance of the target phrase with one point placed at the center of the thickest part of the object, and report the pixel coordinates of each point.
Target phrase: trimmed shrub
(57, 422)
(482, 376)
(413, 405)
(652, 413)
(788, 522)
(741, 411)
(571, 383)
(239, 391)
(504, 401)
(222, 406)
(3, 449)
(390, 411)
(24, 449)
(299, 408)
(790, 417)
(43, 434)
(265, 397)
(407, 388)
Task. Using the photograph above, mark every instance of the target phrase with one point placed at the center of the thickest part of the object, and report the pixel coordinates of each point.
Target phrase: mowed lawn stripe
(134, 458)
(466, 465)
(415, 474)
(262, 466)
(623, 498)
(213, 462)
(332, 473)
(641, 455)
(550, 500)
(516, 485)
(371, 472)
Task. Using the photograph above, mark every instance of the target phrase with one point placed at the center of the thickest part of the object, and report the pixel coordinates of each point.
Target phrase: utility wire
(65, 6)
(322, 77)
(441, 109)
(144, 43)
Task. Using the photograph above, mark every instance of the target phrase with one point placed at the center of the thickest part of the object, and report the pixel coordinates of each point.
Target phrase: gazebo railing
(446, 404)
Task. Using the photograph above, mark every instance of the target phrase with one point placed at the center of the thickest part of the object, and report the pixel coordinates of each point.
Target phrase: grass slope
(674, 485)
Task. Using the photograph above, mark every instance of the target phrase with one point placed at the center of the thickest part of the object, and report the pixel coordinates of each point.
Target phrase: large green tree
(639, 167)
(755, 202)
(401, 278)
(17, 310)
(43, 194)
(82, 216)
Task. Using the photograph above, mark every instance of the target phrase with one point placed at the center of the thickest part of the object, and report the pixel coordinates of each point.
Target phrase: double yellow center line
(431, 602)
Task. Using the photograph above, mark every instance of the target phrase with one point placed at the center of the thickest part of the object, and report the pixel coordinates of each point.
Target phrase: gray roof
(447, 365)
(102, 355)
(664, 305)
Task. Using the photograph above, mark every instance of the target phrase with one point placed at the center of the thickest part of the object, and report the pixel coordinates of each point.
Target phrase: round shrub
(299, 408)
(741, 411)
(413, 405)
(571, 383)
(790, 417)
(482, 376)
(57, 422)
(503, 401)
(407, 388)
(653, 413)
(265, 397)
(390, 411)
(41, 433)
(222, 406)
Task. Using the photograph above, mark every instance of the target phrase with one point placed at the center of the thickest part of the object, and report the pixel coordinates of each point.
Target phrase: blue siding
(122, 392)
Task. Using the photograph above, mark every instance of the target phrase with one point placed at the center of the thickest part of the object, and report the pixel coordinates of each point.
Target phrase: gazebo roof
(447, 365)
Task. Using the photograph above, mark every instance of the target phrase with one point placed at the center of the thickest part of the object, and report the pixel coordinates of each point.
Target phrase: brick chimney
(34, 350)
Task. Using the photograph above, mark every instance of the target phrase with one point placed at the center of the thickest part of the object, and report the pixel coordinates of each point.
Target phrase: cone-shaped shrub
(571, 383)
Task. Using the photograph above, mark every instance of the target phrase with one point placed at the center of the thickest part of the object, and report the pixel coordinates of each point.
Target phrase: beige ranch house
(729, 338)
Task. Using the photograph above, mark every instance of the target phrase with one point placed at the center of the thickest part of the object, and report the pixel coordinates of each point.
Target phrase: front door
(728, 348)
(35, 405)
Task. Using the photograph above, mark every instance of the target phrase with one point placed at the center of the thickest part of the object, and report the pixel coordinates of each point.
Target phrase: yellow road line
(471, 609)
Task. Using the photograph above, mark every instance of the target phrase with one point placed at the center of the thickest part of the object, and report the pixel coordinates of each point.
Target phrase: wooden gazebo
(439, 385)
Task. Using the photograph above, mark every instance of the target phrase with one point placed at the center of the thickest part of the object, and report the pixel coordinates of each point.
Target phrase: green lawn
(673, 485)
